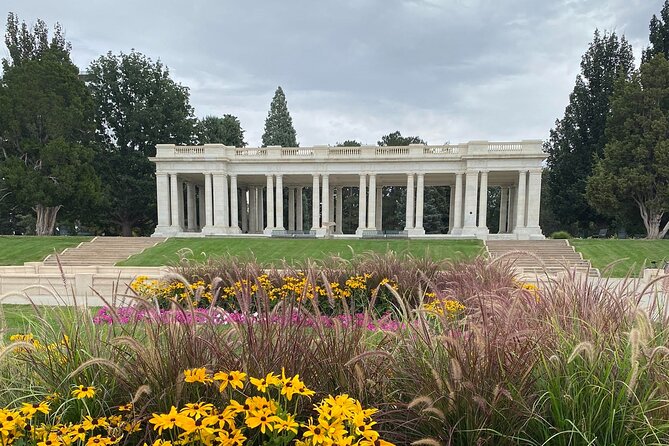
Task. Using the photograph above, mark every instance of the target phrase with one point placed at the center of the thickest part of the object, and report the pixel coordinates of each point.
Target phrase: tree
(46, 124)
(580, 135)
(659, 34)
(634, 169)
(279, 129)
(394, 204)
(226, 130)
(348, 143)
(137, 105)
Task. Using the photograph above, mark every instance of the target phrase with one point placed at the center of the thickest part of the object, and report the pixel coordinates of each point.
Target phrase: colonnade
(222, 203)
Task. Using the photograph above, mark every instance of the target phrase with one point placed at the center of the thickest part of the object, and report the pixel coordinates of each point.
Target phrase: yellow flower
(125, 407)
(197, 375)
(165, 421)
(99, 440)
(287, 425)
(30, 409)
(197, 410)
(81, 392)
(235, 379)
(261, 419)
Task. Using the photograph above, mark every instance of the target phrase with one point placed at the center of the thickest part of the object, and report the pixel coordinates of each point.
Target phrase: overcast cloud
(446, 70)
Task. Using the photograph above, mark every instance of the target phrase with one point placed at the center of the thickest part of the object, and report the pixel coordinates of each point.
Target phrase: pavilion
(220, 190)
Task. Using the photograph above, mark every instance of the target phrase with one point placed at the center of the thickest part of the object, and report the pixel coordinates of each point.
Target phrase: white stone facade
(220, 190)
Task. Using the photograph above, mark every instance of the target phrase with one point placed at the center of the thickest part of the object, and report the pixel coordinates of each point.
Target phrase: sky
(444, 70)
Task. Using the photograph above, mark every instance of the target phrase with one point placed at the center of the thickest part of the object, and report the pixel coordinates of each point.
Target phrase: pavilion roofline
(524, 148)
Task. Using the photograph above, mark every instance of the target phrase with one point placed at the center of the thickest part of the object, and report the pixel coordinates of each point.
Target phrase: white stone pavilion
(220, 190)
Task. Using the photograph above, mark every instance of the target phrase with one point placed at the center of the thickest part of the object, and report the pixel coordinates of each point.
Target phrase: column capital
(522, 170)
(535, 170)
(486, 171)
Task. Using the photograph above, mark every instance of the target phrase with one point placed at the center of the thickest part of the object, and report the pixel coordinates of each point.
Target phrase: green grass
(273, 251)
(19, 318)
(632, 253)
(15, 250)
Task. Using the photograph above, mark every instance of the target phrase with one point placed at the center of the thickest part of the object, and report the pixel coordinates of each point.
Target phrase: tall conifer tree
(279, 129)
(659, 34)
(579, 136)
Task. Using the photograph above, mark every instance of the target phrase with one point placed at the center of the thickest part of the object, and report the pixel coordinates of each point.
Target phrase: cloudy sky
(446, 70)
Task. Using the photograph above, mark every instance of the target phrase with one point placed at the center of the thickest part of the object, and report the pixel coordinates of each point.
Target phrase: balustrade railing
(414, 151)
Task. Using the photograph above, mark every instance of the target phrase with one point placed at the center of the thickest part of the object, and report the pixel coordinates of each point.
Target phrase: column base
(529, 233)
(215, 230)
(455, 231)
(360, 231)
(268, 231)
(165, 231)
(234, 230)
(413, 232)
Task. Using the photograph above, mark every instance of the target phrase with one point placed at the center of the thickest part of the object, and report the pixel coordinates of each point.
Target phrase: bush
(562, 235)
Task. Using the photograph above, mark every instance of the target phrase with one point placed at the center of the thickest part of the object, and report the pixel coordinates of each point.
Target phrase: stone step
(105, 251)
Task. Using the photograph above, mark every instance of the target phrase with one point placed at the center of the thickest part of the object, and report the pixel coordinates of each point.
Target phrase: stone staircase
(540, 256)
(102, 251)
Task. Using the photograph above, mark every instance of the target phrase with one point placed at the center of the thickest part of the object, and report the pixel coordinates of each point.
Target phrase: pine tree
(279, 129)
(579, 136)
(659, 34)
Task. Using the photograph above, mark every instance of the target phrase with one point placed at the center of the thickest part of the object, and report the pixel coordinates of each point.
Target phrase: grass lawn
(18, 318)
(15, 250)
(633, 253)
(273, 251)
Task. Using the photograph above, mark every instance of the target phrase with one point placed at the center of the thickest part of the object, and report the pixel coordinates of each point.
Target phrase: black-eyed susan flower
(197, 375)
(80, 392)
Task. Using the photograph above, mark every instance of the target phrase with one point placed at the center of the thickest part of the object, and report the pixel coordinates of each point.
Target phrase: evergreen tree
(634, 169)
(348, 143)
(46, 123)
(659, 34)
(579, 136)
(226, 130)
(279, 129)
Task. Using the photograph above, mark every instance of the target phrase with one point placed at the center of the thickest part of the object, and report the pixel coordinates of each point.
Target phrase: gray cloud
(357, 69)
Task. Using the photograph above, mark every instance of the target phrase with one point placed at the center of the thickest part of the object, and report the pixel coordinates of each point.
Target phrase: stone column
(163, 203)
(326, 201)
(520, 202)
(191, 207)
(503, 209)
(299, 224)
(261, 209)
(371, 215)
(270, 205)
(379, 208)
(253, 209)
(245, 210)
(420, 200)
(451, 209)
(315, 203)
(208, 202)
(175, 202)
(291, 208)
(362, 205)
(533, 201)
(234, 205)
(457, 206)
(410, 216)
(471, 192)
(201, 206)
(340, 206)
(331, 207)
(483, 203)
(279, 203)
(513, 191)
(221, 203)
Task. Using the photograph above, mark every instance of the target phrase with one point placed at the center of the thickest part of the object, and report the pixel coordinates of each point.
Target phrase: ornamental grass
(420, 352)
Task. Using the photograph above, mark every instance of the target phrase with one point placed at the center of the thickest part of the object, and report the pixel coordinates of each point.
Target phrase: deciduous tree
(215, 130)
(634, 169)
(137, 105)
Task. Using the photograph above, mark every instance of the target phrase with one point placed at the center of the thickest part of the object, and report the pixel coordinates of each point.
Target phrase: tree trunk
(651, 220)
(46, 219)
(126, 228)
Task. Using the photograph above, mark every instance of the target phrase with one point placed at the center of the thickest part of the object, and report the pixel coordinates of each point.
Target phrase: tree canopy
(279, 129)
(46, 123)
(659, 34)
(634, 168)
(137, 105)
(580, 136)
(226, 130)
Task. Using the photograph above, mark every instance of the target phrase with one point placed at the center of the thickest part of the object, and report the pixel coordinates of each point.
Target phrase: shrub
(561, 235)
